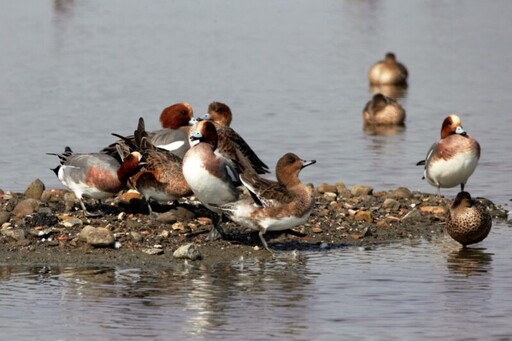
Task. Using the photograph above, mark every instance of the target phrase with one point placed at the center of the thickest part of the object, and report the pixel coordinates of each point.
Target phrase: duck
(274, 205)
(95, 175)
(469, 221)
(176, 121)
(388, 72)
(383, 110)
(212, 178)
(453, 159)
(161, 177)
(231, 145)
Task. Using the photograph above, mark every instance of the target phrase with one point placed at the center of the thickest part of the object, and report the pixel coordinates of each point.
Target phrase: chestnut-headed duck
(388, 72)
(275, 205)
(161, 177)
(451, 161)
(231, 144)
(469, 221)
(95, 175)
(176, 121)
(211, 177)
(383, 110)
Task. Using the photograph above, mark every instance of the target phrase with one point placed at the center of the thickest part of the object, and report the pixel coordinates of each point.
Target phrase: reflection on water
(393, 91)
(469, 261)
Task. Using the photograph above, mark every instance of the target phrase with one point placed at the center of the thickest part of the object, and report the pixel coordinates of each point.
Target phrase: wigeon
(275, 205)
(231, 144)
(451, 160)
(469, 221)
(388, 72)
(176, 121)
(211, 177)
(161, 177)
(383, 110)
(95, 175)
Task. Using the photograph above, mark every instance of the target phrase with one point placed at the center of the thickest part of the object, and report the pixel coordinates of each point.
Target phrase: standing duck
(275, 205)
(451, 161)
(95, 175)
(176, 121)
(231, 145)
(211, 177)
(469, 221)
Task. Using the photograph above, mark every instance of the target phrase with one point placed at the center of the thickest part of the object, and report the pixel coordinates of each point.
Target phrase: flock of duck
(205, 157)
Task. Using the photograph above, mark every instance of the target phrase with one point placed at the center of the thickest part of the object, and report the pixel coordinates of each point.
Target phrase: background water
(294, 74)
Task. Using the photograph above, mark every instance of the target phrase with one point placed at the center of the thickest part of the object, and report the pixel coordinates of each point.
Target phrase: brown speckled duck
(383, 110)
(469, 221)
(388, 72)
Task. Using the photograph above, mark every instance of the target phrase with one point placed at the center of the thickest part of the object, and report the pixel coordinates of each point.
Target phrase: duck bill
(306, 163)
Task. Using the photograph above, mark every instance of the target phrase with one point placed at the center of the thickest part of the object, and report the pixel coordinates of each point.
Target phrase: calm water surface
(294, 73)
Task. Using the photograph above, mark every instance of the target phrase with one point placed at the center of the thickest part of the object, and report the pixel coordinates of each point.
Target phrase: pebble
(101, 237)
(167, 218)
(392, 204)
(35, 190)
(360, 190)
(53, 195)
(72, 222)
(188, 251)
(4, 217)
(412, 216)
(15, 233)
(363, 216)
(136, 236)
(434, 210)
(25, 207)
(400, 193)
(330, 195)
(325, 188)
(153, 251)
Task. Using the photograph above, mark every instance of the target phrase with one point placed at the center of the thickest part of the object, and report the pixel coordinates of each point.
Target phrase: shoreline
(43, 227)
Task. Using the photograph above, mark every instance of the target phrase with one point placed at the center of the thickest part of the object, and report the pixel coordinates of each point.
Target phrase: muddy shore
(46, 227)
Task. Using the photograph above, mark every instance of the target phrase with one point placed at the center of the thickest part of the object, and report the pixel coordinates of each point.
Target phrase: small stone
(381, 224)
(53, 195)
(41, 232)
(85, 232)
(360, 190)
(204, 221)
(188, 251)
(133, 224)
(316, 229)
(365, 216)
(183, 214)
(340, 187)
(121, 216)
(412, 216)
(25, 207)
(164, 234)
(330, 195)
(117, 245)
(178, 226)
(400, 193)
(72, 222)
(136, 236)
(101, 237)
(130, 195)
(392, 204)
(4, 217)
(16, 233)
(35, 190)
(434, 210)
(324, 246)
(153, 251)
(167, 218)
(69, 201)
(324, 188)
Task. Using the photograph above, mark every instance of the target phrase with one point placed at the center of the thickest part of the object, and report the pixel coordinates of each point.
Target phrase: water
(294, 73)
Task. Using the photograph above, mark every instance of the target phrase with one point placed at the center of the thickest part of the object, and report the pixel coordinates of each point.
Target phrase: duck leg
(216, 232)
(264, 242)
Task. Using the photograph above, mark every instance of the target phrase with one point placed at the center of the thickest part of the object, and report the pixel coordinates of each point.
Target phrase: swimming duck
(383, 110)
(388, 72)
